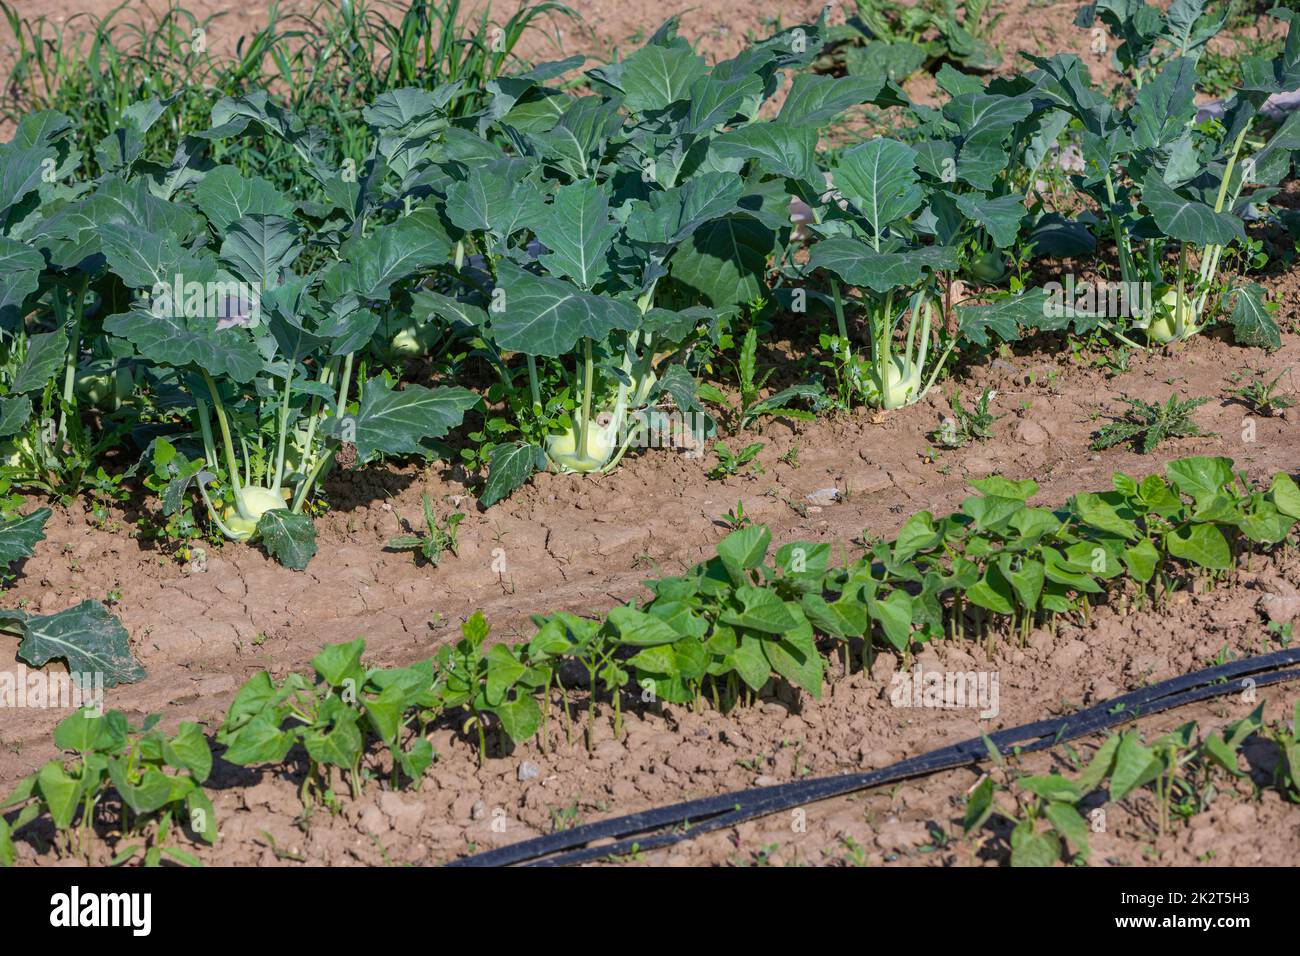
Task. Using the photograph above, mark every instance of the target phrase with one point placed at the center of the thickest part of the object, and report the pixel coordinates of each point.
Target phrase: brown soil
(584, 544)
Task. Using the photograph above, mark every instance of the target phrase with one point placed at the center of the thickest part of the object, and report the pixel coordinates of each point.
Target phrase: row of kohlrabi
(579, 251)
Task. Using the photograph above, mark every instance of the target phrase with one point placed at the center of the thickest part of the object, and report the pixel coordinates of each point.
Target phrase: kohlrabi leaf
(576, 141)
(724, 261)
(348, 331)
(1188, 220)
(90, 640)
(986, 112)
(20, 271)
(413, 243)
(538, 315)
(655, 77)
(1063, 79)
(1252, 318)
(393, 422)
(171, 339)
(673, 214)
(144, 258)
(287, 537)
(123, 146)
(1165, 105)
(577, 231)
(714, 101)
(858, 264)
(495, 198)
(509, 466)
(15, 413)
(885, 60)
(1280, 75)
(1004, 318)
(879, 178)
(815, 98)
(260, 248)
(1000, 215)
(784, 150)
(19, 536)
(227, 195)
(982, 157)
(46, 354)
(1054, 235)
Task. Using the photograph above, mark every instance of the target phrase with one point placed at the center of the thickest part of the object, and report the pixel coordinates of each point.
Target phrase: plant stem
(74, 347)
(226, 440)
(587, 372)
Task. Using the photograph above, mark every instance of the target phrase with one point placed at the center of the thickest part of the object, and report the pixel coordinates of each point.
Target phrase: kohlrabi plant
(615, 235)
(1174, 188)
(869, 243)
(258, 310)
(55, 362)
(1145, 36)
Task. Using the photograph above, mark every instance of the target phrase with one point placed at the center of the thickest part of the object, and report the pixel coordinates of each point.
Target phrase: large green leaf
(1165, 105)
(795, 657)
(1188, 220)
(815, 98)
(885, 60)
(781, 149)
(287, 537)
(495, 198)
(714, 101)
(1000, 215)
(538, 315)
(15, 413)
(20, 269)
(879, 178)
(577, 232)
(145, 259)
(90, 640)
(655, 77)
(858, 264)
(46, 355)
(413, 243)
(509, 466)
(1201, 544)
(227, 195)
(576, 142)
(171, 339)
(1005, 317)
(259, 248)
(1252, 317)
(19, 536)
(397, 422)
(724, 261)
(986, 112)
(673, 214)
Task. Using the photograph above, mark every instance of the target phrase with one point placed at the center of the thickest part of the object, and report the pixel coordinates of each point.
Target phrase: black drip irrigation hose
(654, 829)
